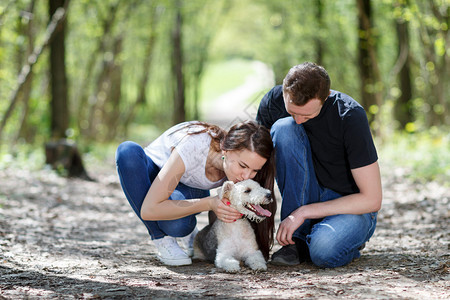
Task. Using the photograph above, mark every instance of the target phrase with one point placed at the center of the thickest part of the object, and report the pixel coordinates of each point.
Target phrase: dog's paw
(229, 264)
(259, 267)
(232, 268)
(256, 262)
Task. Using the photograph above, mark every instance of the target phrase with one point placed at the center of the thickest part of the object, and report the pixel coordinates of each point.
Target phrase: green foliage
(22, 156)
(425, 154)
(219, 38)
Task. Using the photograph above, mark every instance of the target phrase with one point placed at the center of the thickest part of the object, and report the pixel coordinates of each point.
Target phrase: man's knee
(325, 253)
(333, 246)
(282, 127)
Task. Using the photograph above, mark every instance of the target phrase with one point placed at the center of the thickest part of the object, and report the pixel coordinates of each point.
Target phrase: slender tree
(59, 105)
(435, 42)
(107, 21)
(403, 107)
(319, 40)
(141, 100)
(27, 30)
(177, 67)
(57, 18)
(201, 33)
(371, 83)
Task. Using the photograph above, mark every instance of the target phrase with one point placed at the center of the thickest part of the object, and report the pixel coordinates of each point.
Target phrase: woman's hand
(224, 211)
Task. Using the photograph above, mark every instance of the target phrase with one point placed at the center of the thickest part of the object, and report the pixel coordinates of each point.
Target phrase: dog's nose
(269, 196)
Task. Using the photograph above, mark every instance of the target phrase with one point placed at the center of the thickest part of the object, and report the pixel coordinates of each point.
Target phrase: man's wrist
(301, 212)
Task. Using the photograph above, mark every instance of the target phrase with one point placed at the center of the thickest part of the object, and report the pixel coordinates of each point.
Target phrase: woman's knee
(180, 227)
(127, 152)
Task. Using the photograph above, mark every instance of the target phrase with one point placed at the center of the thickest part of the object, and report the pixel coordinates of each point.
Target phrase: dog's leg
(255, 261)
(225, 259)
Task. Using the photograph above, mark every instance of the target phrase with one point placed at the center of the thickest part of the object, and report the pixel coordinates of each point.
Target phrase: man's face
(304, 113)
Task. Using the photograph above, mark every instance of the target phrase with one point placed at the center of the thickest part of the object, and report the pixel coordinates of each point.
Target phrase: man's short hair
(305, 82)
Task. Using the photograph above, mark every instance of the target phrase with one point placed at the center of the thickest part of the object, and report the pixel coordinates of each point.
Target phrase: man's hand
(287, 228)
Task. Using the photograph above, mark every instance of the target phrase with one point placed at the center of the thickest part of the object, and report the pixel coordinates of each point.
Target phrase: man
(327, 169)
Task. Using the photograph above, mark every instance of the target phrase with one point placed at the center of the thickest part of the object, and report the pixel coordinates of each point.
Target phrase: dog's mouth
(258, 210)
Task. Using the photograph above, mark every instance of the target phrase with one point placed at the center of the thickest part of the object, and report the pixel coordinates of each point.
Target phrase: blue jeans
(332, 241)
(137, 172)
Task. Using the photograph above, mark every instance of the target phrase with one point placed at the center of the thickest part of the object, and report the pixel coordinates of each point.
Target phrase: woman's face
(241, 165)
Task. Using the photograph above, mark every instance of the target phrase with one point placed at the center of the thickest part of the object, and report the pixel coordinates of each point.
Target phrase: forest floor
(66, 238)
(73, 239)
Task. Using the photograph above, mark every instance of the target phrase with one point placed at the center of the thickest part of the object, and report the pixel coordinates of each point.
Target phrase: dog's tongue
(261, 211)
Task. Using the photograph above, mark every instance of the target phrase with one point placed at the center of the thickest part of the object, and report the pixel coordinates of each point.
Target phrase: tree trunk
(25, 73)
(83, 92)
(59, 99)
(435, 59)
(60, 153)
(177, 68)
(364, 14)
(371, 84)
(24, 129)
(319, 41)
(111, 110)
(146, 67)
(402, 110)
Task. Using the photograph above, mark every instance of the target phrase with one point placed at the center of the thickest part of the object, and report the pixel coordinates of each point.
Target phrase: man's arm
(271, 107)
(368, 200)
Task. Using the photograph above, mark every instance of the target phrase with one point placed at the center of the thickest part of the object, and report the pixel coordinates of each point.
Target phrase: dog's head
(247, 197)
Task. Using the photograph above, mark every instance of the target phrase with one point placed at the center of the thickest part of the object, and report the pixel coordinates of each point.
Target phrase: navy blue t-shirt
(340, 137)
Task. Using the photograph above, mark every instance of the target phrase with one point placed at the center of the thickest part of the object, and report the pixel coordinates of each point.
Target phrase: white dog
(226, 244)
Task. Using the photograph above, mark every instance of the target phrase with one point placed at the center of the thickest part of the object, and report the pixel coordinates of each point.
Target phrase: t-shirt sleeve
(358, 140)
(271, 107)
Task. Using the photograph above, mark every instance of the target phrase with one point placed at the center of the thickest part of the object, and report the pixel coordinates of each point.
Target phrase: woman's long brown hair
(256, 138)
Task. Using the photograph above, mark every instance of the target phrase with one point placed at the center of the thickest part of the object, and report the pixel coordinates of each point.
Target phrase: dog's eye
(247, 191)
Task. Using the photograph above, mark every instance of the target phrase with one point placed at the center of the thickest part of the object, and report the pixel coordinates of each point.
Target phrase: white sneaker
(187, 242)
(170, 252)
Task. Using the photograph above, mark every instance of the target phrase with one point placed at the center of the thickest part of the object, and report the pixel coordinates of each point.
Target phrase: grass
(221, 77)
(426, 154)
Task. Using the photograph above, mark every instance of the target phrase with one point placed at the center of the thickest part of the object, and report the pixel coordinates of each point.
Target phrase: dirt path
(72, 239)
(241, 103)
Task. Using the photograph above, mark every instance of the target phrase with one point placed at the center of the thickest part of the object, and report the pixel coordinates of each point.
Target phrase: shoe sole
(175, 262)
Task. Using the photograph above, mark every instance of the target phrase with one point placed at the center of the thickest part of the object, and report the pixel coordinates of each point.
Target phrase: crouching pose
(327, 169)
(227, 244)
(168, 182)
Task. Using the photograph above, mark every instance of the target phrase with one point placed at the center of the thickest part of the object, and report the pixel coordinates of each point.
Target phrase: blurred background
(95, 73)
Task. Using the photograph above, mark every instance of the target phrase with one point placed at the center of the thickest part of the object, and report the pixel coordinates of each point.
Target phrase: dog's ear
(226, 189)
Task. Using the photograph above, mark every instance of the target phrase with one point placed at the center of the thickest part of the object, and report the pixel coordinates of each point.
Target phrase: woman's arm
(157, 206)
(368, 200)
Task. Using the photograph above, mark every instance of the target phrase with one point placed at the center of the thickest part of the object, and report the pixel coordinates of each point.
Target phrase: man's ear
(226, 189)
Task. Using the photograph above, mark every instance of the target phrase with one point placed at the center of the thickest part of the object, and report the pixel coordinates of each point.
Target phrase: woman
(168, 182)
